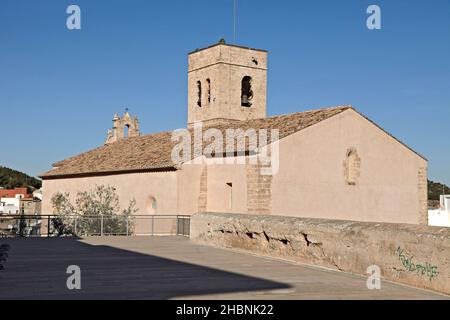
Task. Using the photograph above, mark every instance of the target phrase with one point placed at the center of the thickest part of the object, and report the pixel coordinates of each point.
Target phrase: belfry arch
(126, 124)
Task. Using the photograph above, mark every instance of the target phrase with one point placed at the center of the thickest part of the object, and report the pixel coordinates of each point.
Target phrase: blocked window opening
(151, 205)
(199, 93)
(246, 92)
(352, 167)
(208, 90)
(126, 130)
(229, 194)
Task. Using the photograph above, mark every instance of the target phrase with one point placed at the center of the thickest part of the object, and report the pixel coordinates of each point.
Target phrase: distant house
(38, 194)
(17, 193)
(445, 202)
(29, 206)
(6, 207)
(16, 201)
(440, 217)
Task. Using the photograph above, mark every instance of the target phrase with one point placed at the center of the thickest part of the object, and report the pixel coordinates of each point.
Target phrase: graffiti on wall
(424, 269)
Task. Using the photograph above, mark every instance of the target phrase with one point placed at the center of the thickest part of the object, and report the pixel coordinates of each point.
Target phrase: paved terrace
(172, 268)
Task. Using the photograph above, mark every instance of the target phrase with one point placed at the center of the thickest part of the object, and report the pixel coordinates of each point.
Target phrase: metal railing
(101, 225)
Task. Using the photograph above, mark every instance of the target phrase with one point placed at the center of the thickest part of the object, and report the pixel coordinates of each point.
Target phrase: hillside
(435, 190)
(10, 179)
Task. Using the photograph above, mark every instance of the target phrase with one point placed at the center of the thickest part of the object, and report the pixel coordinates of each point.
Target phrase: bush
(90, 210)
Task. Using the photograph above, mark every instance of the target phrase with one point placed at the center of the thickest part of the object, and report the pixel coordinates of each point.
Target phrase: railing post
(48, 226)
(127, 226)
(153, 225)
(76, 219)
(101, 226)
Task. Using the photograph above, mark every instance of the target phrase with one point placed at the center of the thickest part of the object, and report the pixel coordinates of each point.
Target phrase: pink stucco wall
(188, 188)
(140, 186)
(311, 178)
(219, 197)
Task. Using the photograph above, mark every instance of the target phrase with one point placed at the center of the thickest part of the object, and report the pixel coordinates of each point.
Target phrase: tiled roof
(12, 193)
(153, 152)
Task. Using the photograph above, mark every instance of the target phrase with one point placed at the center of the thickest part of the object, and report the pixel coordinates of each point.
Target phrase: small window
(208, 90)
(152, 205)
(246, 92)
(229, 195)
(199, 93)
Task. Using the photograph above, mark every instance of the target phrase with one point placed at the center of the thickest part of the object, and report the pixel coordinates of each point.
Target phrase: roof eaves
(49, 176)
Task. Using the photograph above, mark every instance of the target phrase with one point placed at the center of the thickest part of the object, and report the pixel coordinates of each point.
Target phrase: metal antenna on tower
(234, 20)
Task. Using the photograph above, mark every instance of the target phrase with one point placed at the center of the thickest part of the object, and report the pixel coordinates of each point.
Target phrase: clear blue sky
(59, 89)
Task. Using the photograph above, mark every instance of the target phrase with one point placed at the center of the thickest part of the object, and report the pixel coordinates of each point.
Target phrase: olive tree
(93, 212)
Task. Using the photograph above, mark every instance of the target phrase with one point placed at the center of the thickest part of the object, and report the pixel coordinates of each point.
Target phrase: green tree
(436, 189)
(10, 179)
(93, 212)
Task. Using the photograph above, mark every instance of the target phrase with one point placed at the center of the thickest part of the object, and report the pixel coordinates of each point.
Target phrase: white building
(445, 202)
(9, 207)
(440, 217)
(38, 194)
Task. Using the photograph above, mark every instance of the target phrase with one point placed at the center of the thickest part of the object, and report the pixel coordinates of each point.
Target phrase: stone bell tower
(226, 83)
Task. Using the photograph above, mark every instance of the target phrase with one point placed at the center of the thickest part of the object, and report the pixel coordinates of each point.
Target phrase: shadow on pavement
(36, 269)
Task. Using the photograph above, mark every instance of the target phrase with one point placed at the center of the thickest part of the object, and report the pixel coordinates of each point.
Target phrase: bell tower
(226, 83)
(123, 128)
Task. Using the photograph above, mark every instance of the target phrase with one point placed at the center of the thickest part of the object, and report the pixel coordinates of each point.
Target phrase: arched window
(246, 92)
(208, 90)
(151, 205)
(352, 167)
(199, 93)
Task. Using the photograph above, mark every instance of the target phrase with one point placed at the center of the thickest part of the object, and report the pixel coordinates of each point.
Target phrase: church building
(331, 163)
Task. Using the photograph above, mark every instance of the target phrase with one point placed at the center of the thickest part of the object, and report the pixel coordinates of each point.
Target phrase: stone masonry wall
(225, 66)
(203, 197)
(409, 254)
(259, 191)
(423, 195)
